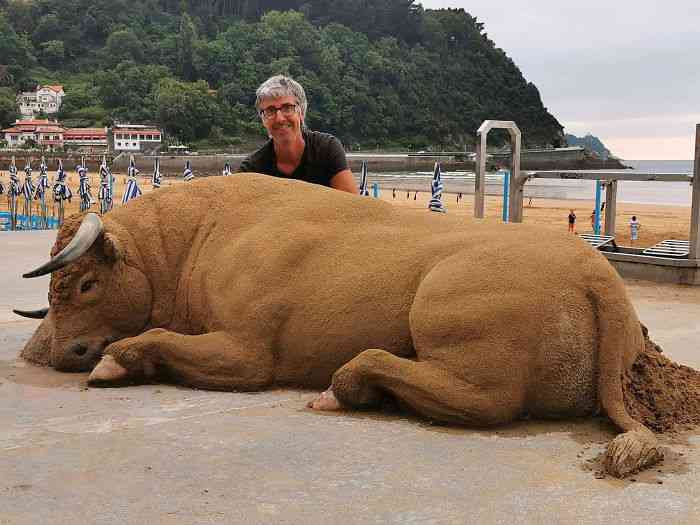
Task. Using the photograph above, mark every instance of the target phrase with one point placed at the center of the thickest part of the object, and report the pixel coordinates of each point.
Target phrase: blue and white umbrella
(61, 193)
(227, 170)
(436, 186)
(86, 198)
(28, 193)
(40, 192)
(132, 187)
(13, 191)
(187, 174)
(105, 195)
(364, 191)
(156, 173)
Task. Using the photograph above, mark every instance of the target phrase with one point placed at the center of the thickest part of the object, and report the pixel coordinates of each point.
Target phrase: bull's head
(98, 293)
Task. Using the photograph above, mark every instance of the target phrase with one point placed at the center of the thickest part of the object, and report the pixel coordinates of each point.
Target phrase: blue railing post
(596, 217)
(506, 193)
(375, 190)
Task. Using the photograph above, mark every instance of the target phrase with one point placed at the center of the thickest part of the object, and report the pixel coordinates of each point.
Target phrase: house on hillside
(45, 99)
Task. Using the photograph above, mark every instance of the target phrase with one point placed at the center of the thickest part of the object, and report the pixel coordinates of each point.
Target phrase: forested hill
(381, 73)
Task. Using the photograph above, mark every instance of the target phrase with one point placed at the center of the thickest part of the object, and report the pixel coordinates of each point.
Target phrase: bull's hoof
(631, 452)
(326, 402)
(108, 373)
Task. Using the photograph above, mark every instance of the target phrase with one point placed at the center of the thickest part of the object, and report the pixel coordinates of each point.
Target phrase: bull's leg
(428, 388)
(213, 361)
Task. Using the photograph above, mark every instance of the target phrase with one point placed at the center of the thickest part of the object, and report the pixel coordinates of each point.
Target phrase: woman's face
(284, 124)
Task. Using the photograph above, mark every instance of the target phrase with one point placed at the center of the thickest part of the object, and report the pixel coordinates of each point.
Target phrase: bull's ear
(113, 249)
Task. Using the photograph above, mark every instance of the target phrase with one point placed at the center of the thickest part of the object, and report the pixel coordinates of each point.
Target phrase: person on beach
(634, 228)
(294, 151)
(572, 221)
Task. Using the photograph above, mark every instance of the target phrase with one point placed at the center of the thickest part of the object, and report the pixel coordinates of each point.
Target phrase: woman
(293, 151)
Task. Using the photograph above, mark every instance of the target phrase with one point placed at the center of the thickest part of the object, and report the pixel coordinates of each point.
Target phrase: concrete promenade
(166, 455)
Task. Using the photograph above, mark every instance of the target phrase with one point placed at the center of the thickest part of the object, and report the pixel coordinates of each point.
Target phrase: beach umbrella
(13, 191)
(86, 198)
(105, 195)
(227, 170)
(436, 186)
(188, 175)
(156, 173)
(132, 187)
(61, 193)
(364, 191)
(40, 192)
(28, 193)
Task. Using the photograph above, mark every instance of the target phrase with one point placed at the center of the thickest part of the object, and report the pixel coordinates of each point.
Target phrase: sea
(642, 192)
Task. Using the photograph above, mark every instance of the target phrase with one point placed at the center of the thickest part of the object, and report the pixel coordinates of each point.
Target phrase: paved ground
(161, 454)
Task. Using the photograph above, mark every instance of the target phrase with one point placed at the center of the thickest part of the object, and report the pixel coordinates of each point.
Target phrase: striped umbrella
(86, 198)
(156, 173)
(435, 203)
(227, 170)
(61, 193)
(188, 175)
(105, 195)
(40, 192)
(132, 187)
(364, 191)
(28, 193)
(13, 191)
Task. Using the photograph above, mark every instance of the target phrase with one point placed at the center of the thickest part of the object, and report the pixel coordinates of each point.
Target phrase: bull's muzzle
(79, 356)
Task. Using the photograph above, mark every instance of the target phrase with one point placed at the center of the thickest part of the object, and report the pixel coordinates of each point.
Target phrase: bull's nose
(78, 349)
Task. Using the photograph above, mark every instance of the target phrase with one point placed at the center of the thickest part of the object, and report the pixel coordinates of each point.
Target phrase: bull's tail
(620, 340)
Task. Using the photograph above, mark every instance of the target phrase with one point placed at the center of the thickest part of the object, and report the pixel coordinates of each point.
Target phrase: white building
(46, 99)
(136, 137)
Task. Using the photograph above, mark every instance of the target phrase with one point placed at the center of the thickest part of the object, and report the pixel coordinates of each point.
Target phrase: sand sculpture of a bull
(240, 283)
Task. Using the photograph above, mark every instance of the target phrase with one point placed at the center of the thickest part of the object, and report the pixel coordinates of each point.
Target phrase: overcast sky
(627, 71)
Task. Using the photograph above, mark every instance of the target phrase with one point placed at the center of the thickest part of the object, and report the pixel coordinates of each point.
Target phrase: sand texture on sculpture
(244, 282)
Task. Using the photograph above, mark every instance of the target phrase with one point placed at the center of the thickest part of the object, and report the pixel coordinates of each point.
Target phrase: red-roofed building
(47, 134)
(45, 99)
(86, 139)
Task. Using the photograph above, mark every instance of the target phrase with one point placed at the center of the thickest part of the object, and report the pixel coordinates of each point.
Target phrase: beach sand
(658, 222)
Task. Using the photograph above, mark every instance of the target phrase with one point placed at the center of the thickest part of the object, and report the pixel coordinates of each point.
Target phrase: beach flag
(132, 188)
(436, 186)
(227, 170)
(86, 198)
(364, 191)
(156, 173)
(188, 175)
(105, 194)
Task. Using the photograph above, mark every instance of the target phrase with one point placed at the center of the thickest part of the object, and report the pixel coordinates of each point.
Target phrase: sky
(627, 71)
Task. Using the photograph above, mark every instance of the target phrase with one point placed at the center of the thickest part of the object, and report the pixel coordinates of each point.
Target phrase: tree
(186, 109)
(8, 107)
(186, 44)
(52, 53)
(122, 45)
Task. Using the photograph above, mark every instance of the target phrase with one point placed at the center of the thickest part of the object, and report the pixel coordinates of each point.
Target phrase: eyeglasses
(271, 111)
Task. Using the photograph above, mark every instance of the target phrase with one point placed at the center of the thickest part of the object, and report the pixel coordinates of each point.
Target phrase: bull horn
(32, 314)
(89, 230)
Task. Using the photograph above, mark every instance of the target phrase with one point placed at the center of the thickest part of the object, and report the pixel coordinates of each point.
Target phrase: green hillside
(381, 73)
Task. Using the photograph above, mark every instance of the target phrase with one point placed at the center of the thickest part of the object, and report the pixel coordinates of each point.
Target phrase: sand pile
(661, 394)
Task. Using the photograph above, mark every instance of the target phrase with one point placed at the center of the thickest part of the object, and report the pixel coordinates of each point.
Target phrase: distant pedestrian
(572, 221)
(393, 193)
(415, 196)
(593, 220)
(634, 228)
(408, 194)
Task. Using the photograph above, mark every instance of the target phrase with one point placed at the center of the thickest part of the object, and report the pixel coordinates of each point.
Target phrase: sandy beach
(658, 222)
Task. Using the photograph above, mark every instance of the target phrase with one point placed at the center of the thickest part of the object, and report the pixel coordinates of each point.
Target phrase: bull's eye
(87, 286)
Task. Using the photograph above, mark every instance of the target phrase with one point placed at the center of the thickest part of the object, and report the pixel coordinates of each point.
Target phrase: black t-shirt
(323, 159)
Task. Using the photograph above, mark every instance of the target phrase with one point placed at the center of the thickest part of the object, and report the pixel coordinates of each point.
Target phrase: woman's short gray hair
(281, 86)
